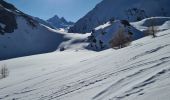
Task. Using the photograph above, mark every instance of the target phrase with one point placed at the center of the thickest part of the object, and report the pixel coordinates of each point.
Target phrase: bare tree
(152, 28)
(121, 39)
(4, 71)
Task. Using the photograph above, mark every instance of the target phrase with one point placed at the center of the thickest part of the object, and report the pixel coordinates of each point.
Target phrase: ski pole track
(127, 81)
(140, 87)
(84, 83)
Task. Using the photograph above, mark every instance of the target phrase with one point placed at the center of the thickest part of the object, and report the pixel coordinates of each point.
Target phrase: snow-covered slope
(131, 10)
(75, 42)
(160, 23)
(140, 71)
(60, 22)
(103, 36)
(21, 35)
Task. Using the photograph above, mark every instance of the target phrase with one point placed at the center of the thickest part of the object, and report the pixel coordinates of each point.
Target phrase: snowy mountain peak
(63, 19)
(56, 17)
(7, 5)
(59, 22)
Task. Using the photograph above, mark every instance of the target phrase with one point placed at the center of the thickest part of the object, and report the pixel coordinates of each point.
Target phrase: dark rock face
(125, 23)
(8, 14)
(136, 13)
(7, 5)
(8, 19)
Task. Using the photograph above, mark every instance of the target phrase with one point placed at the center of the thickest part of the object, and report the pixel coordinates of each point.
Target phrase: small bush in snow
(4, 72)
(62, 49)
(125, 23)
(112, 20)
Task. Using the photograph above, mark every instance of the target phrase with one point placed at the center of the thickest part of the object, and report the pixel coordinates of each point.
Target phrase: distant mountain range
(60, 22)
(55, 22)
(131, 10)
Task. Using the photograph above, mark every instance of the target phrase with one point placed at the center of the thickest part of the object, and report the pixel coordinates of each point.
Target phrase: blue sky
(72, 10)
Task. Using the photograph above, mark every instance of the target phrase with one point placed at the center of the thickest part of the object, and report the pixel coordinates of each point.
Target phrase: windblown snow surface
(140, 71)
